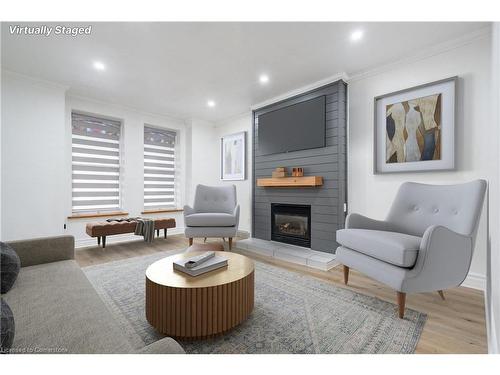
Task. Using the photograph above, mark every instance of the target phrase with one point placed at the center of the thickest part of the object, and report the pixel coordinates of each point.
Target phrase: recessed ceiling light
(211, 103)
(263, 79)
(356, 35)
(99, 66)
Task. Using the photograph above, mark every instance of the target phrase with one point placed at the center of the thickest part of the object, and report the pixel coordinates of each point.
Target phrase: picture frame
(233, 157)
(414, 128)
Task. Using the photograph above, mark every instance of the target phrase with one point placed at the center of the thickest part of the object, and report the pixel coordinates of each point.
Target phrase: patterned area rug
(293, 313)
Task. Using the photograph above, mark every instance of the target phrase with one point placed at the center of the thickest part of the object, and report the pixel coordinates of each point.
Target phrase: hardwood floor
(454, 325)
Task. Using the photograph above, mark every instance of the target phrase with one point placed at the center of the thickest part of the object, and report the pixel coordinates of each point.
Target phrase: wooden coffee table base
(197, 313)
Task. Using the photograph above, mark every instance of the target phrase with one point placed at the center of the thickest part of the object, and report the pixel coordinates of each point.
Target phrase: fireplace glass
(291, 224)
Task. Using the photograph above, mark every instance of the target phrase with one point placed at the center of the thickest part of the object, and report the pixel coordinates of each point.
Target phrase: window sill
(98, 214)
(161, 211)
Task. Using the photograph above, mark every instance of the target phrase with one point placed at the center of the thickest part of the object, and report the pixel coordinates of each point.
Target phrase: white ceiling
(174, 68)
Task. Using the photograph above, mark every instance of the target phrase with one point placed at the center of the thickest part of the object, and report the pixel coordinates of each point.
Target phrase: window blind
(159, 168)
(95, 163)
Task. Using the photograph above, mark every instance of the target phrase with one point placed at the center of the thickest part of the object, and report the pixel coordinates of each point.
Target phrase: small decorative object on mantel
(297, 172)
(415, 128)
(279, 172)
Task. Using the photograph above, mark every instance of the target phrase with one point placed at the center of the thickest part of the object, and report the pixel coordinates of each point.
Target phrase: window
(95, 163)
(159, 168)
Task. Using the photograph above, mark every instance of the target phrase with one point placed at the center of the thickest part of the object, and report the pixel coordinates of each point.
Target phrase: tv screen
(297, 127)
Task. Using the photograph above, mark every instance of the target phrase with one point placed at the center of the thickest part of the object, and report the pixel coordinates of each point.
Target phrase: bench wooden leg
(165, 233)
(99, 240)
(158, 232)
(103, 242)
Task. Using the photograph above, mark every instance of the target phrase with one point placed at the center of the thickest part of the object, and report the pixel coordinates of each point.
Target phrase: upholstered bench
(103, 229)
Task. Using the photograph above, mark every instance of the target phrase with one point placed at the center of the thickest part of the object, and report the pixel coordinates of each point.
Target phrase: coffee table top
(161, 272)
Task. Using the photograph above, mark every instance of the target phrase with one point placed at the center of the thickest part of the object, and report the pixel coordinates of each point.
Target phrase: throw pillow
(7, 327)
(9, 267)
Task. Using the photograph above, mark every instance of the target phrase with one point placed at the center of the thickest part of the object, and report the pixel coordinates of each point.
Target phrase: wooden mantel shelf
(306, 181)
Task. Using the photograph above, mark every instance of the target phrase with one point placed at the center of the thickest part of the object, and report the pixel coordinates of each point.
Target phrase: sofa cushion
(391, 247)
(9, 267)
(210, 220)
(7, 326)
(58, 311)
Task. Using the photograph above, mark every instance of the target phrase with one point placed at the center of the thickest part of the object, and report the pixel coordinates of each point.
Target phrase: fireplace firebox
(291, 223)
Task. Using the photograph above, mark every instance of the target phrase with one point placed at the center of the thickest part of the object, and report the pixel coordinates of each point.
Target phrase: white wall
(204, 168)
(36, 159)
(371, 194)
(493, 291)
(205, 160)
(33, 157)
(243, 188)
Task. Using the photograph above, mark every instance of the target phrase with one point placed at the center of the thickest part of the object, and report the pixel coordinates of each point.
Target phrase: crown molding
(352, 77)
(36, 81)
(323, 82)
(424, 54)
(126, 108)
(228, 120)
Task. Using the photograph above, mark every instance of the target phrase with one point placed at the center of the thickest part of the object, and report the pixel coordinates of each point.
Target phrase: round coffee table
(187, 307)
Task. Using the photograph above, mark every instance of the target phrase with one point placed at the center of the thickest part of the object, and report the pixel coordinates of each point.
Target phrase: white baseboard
(117, 238)
(475, 281)
(493, 340)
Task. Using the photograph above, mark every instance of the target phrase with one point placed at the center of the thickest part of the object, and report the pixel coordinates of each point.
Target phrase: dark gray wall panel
(327, 202)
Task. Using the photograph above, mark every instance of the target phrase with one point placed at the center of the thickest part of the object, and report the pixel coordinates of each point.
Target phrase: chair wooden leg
(441, 294)
(401, 304)
(190, 241)
(230, 243)
(205, 239)
(99, 240)
(158, 232)
(224, 239)
(346, 274)
(103, 242)
(165, 233)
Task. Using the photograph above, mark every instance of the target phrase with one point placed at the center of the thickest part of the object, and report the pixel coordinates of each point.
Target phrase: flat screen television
(299, 126)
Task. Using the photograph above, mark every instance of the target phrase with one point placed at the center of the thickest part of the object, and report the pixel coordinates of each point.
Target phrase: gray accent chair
(425, 244)
(215, 213)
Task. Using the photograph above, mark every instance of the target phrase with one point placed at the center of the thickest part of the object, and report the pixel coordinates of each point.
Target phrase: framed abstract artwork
(415, 128)
(233, 157)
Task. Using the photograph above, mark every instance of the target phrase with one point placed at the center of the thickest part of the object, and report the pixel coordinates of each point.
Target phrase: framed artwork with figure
(415, 128)
(233, 157)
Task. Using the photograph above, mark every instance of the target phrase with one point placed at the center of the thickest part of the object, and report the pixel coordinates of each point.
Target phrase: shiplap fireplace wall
(327, 201)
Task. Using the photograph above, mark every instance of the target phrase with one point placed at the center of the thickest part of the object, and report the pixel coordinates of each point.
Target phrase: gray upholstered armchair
(215, 213)
(425, 244)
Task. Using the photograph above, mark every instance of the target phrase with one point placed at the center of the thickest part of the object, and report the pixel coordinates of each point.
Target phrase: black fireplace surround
(291, 223)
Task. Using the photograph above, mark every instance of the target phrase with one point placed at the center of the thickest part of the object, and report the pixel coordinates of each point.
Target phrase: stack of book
(200, 264)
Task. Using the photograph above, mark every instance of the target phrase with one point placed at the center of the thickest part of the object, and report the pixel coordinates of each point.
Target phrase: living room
(249, 187)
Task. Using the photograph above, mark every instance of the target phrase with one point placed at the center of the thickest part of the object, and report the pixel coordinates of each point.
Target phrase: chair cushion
(391, 247)
(210, 220)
